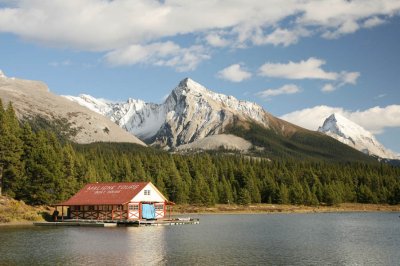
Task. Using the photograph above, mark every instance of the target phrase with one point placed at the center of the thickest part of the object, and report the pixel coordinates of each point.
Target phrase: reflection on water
(287, 239)
(146, 247)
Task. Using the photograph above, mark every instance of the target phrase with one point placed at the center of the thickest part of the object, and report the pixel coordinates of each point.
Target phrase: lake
(257, 239)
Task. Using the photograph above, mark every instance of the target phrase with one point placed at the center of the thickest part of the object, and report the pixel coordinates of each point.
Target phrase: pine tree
(283, 194)
(11, 149)
(244, 197)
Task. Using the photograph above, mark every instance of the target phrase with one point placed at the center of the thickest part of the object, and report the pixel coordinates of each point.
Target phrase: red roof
(105, 194)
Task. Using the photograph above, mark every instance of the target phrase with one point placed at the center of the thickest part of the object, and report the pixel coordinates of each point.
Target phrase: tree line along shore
(39, 166)
(13, 212)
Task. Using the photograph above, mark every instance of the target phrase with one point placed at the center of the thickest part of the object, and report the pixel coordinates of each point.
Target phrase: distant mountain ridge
(353, 135)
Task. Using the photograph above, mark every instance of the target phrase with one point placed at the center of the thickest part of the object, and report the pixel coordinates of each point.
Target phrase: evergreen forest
(40, 167)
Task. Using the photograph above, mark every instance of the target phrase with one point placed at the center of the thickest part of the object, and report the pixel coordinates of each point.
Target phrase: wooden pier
(115, 223)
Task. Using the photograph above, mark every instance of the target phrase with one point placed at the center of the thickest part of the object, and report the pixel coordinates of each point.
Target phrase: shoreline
(18, 223)
(261, 208)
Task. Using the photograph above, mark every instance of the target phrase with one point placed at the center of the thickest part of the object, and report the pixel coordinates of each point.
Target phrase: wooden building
(116, 201)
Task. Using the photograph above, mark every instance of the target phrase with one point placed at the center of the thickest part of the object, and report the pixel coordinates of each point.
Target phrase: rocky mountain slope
(353, 135)
(190, 113)
(32, 99)
(216, 142)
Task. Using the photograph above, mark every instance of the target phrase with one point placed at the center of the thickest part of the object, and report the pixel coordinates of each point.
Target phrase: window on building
(159, 207)
(133, 207)
(147, 192)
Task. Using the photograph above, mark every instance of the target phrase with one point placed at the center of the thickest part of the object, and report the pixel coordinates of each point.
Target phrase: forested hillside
(299, 144)
(40, 168)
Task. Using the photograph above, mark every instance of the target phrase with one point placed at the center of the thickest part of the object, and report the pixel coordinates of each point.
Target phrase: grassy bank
(275, 208)
(17, 212)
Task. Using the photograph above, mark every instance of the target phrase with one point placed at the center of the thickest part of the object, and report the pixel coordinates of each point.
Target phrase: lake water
(258, 239)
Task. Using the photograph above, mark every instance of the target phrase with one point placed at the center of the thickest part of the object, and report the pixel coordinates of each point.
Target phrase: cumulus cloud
(305, 69)
(336, 18)
(279, 36)
(216, 40)
(373, 22)
(374, 119)
(108, 26)
(160, 54)
(309, 69)
(285, 89)
(347, 27)
(328, 88)
(234, 73)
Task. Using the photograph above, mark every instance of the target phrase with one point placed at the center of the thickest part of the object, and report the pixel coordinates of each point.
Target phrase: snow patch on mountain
(4, 77)
(97, 105)
(350, 133)
(191, 112)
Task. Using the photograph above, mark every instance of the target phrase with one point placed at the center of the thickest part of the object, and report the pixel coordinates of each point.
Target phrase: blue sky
(300, 60)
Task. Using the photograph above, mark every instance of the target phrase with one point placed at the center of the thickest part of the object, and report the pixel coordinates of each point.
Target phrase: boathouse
(116, 201)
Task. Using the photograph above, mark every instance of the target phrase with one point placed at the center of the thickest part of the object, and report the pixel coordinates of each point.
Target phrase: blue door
(148, 211)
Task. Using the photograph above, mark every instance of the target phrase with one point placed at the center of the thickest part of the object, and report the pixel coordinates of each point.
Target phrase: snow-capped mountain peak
(339, 127)
(189, 113)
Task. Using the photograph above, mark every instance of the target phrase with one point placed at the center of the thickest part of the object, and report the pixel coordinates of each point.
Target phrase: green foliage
(41, 167)
(244, 197)
(302, 144)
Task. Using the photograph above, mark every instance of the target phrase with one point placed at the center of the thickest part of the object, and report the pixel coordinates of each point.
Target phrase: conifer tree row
(40, 168)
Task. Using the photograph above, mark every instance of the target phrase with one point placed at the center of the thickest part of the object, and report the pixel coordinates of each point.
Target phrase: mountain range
(194, 117)
(191, 118)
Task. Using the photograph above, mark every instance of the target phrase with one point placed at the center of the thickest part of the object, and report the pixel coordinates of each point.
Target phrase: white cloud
(305, 69)
(343, 79)
(99, 25)
(374, 119)
(216, 40)
(349, 77)
(309, 69)
(279, 36)
(347, 27)
(336, 17)
(234, 73)
(286, 89)
(160, 54)
(373, 22)
(328, 87)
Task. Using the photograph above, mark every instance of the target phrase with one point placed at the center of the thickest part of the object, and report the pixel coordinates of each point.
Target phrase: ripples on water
(261, 239)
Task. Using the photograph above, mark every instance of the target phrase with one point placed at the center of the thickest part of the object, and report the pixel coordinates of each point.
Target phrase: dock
(115, 223)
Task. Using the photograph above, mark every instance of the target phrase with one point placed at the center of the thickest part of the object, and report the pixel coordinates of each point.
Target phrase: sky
(302, 60)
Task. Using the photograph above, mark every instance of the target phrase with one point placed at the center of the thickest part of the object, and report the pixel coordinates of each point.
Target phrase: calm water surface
(260, 239)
